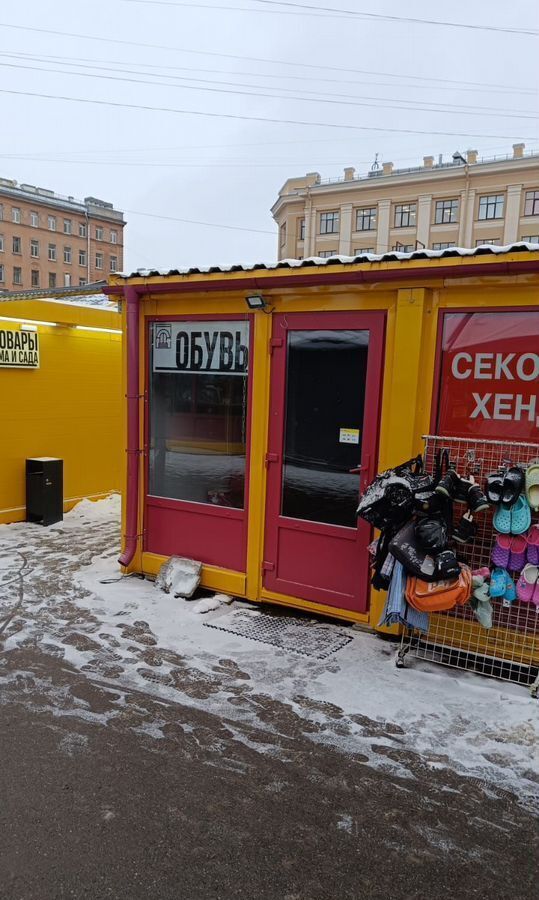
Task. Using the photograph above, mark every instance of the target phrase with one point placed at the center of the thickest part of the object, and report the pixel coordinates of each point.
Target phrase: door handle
(357, 470)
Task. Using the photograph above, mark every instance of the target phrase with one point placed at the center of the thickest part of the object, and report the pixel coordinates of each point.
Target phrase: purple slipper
(533, 545)
(501, 551)
(517, 553)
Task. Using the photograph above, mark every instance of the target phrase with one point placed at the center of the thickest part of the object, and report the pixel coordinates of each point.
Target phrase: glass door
(326, 371)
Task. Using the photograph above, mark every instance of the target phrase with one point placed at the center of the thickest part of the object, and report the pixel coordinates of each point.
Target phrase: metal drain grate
(314, 640)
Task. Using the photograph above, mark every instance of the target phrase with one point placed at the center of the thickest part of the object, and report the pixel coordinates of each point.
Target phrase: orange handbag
(437, 596)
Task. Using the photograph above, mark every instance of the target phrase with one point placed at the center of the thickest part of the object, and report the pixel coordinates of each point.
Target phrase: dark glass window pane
(198, 411)
(326, 374)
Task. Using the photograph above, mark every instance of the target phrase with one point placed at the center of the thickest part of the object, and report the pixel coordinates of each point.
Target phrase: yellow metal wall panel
(71, 407)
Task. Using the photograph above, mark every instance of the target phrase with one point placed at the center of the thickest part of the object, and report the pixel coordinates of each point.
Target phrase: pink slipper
(535, 596)
(501, 551)
(517, 555)
(527, 583)
(533, 545)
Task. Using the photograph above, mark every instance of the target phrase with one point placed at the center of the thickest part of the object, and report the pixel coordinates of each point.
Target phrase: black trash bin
(44, 490)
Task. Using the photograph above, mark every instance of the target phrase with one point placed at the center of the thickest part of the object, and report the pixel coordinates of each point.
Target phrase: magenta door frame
(325, 564)
(214, 535)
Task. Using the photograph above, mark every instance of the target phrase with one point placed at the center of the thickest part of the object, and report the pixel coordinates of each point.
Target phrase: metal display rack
(510, 649)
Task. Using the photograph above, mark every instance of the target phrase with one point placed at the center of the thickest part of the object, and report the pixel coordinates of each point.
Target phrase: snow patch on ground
(126, 633)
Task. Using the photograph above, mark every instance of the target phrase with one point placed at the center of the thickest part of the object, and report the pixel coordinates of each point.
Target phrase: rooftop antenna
(376, 165)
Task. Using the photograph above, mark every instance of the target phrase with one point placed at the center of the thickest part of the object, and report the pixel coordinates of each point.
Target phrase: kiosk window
(198, 411)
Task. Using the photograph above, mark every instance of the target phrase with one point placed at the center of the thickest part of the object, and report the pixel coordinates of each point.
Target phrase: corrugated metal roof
(59, 293)
(394, 256)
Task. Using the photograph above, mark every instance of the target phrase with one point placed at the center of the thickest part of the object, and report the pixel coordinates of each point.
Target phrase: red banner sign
(489, 379)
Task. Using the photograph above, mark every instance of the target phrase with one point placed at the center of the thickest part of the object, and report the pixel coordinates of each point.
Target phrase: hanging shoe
(502, 519)
(466, 530)
(513, 484)
(532, 539)
(520, 515)
(510, 591)
(532, 484)
(501, 551)
(517, 553)
(527, 583)
(498, 583)
(494, 486)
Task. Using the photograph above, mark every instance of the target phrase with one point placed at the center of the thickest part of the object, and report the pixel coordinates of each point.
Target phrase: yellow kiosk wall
(71, 407)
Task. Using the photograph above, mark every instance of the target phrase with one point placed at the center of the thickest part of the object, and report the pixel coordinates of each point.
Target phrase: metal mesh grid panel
(309, 639)
(510, 649)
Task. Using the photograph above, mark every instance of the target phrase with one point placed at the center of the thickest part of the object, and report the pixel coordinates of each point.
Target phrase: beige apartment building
(51, 241)
(465, 203)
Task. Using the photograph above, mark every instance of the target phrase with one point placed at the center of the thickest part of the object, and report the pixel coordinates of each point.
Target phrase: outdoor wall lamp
(256, 301)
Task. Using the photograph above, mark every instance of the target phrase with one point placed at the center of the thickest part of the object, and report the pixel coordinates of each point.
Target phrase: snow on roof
(97, 301)
(393, 256)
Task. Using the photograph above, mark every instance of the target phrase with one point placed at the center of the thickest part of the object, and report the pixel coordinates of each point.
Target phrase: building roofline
(398, 176)
(42, 197)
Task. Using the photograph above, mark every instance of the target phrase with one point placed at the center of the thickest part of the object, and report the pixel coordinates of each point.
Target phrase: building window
(446, 211)
(113, 236)
(67, 254)
(530, 239)
(67, 279)
(114, 264)
(82, 229)
(366, 219)
(404, 248)
(17, 275)
(1, 273)
(444, 245)
(82, 282)
(2, 242)
(16, 245)
(98, 233)
(282, 234)
(34, 278)
(325, 254)
(495, 242)
(363, 250)
(34, 220)
(15, 215)
(301, 236)
(405, 214)
(1, 212)
(68, 226)
(329, 222)
(187, 387)
(52, 252)
(491, 206)
(51, 222)
(99, 260)
(34, 249)
(82, 257)
(531, 203)
(52, 279)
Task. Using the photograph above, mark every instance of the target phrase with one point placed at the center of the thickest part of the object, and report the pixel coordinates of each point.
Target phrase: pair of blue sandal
(514, 520)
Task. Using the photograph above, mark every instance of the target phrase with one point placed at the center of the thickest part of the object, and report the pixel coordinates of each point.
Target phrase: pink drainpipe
(133, 450)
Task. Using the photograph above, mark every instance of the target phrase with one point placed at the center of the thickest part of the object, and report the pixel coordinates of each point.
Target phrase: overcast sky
(225, 170)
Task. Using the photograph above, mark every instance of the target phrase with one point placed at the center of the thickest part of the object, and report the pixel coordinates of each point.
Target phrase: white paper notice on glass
(348, 435)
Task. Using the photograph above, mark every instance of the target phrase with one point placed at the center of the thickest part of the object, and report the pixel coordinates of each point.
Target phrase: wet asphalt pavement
(93, 810)
(108, 792)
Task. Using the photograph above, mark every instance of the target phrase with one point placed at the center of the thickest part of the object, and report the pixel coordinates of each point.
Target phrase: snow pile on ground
(133, 635)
